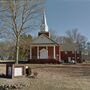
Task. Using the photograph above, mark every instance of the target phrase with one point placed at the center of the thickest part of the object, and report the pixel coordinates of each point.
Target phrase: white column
(46, 47)
(54, 52)
(59, 54)
(37, 52)
(47, 50)
(30, 52)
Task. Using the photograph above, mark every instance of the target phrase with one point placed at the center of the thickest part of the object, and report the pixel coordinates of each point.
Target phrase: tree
(77, 39)
(72, 40)
(60, 39)
(88, 50)
(53, 34)
(6, 50)
(25, 42)
(18, 17)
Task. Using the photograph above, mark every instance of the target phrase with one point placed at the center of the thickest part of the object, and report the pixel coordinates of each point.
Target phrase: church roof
(44, 40)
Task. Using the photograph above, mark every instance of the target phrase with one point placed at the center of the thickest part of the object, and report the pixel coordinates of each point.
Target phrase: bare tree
(18, 17)
(25, 42)
(53, 34)
(74, 37)
(72, 40)
(60, 39)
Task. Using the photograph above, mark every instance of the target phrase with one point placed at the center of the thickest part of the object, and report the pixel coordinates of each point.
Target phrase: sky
(63, 15)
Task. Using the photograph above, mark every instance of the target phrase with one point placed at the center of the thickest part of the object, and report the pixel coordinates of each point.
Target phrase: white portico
(43, 48)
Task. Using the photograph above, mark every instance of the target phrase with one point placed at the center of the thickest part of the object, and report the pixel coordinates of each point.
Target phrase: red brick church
(43, 49)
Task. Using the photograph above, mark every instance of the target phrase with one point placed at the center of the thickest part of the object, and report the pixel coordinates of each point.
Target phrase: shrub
(28, 71)
(35, 74)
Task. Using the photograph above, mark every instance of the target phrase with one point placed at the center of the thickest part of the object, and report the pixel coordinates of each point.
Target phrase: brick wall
(34, 52)
(72, 54)
(50, 52)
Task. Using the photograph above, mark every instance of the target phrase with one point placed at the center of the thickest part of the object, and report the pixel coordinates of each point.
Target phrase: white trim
(47, 50)
(38, 52)
(44, 45)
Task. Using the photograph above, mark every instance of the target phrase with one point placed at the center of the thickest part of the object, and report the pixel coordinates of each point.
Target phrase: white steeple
(44, 26)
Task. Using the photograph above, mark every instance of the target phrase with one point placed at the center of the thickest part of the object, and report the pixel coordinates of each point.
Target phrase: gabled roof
(69, 47)
(43, 40)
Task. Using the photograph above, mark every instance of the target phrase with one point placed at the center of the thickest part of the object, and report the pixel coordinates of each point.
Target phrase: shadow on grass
(3, 75)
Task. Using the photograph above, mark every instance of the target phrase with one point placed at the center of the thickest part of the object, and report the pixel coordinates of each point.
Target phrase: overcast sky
(63, 15)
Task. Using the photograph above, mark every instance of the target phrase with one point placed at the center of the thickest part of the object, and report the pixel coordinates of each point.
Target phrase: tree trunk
(17, 50)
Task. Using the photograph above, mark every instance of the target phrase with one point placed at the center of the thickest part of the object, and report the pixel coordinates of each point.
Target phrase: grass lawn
(55, 77)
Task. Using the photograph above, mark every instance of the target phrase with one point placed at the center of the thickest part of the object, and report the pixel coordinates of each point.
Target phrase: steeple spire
(44, 26)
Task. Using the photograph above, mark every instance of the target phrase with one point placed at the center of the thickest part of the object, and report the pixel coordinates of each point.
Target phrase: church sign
(15, 70)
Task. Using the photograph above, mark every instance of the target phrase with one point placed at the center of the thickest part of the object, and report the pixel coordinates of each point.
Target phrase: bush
(35, 74)
(28, 71)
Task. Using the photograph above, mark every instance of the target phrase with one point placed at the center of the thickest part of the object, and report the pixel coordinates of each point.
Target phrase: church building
(43, 49)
